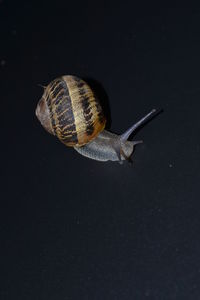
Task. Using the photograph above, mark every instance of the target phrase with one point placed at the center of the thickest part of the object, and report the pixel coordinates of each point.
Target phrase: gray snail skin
(69, 110)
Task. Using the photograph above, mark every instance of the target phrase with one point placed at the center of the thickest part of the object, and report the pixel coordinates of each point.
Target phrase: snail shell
(70, 110)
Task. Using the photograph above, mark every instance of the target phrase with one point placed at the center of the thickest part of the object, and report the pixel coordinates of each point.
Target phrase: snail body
(106, 147)
(69, 110)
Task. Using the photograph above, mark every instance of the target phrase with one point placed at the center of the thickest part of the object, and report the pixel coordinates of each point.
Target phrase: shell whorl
(75, 113)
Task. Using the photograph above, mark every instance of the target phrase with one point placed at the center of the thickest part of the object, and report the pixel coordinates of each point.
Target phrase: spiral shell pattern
(75, 113)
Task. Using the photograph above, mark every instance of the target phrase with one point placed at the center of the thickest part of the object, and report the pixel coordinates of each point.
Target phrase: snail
(70, 110)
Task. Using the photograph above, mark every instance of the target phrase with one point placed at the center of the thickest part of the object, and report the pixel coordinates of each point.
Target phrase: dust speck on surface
(3, 62)
(14, 31)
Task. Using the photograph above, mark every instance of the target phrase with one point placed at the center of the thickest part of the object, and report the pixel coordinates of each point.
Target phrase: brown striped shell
(70, 110)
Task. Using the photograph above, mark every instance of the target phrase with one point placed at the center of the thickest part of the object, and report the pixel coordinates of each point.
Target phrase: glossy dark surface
(73, 228)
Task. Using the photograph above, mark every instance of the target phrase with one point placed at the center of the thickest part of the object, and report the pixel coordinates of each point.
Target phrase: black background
(73, 228)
